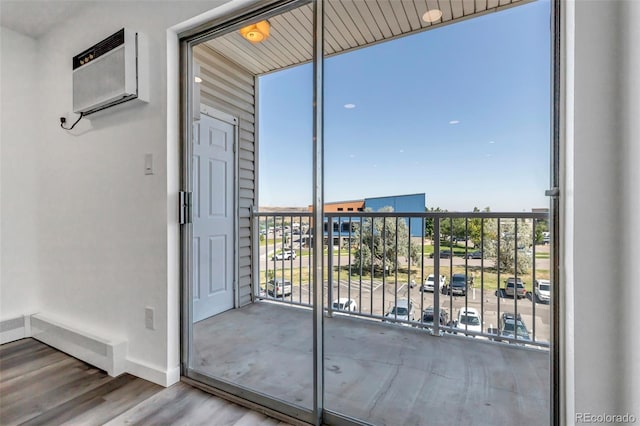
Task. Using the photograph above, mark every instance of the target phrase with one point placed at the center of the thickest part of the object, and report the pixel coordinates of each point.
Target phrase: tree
(428, 223)
(384, 240)
(510, 244)
(542, 226)
(475, 227)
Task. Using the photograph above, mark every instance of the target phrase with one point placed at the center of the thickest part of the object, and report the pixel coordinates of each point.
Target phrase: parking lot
(375, 297)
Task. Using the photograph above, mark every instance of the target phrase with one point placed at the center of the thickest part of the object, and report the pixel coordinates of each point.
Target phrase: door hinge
(184, 207)
(553, 192)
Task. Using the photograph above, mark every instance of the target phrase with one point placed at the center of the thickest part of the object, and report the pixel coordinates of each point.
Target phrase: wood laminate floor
(42, 386)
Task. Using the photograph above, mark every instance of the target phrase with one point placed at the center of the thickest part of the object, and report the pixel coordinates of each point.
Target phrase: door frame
(233, 20)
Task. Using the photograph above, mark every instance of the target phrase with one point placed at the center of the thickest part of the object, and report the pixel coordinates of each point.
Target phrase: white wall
(601, 191)
(19, 205)
(99, 245)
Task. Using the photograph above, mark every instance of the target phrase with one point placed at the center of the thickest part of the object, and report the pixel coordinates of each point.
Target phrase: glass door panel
(249, 293)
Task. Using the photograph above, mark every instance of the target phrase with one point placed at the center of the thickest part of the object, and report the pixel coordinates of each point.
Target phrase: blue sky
(461, 113)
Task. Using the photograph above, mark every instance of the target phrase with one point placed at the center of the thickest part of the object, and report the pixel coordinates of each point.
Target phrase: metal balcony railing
(484, 275)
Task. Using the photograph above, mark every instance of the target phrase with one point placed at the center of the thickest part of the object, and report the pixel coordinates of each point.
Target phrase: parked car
(543, 291)
(344, 304)
(510, 326)
(279, 287)
(475, 254)
(546, 237)
(427, 316)
(469, 320)
(285, 254)
(429, 283)
(515, 288)
(444, 254)
(403, 310)
(458, 285)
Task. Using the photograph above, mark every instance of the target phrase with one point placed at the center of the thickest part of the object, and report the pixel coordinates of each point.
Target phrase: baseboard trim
(15, 329)
(106, 354)
(156, 375)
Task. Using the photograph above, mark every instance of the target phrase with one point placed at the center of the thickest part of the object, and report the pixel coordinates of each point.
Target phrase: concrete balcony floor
(376, 372)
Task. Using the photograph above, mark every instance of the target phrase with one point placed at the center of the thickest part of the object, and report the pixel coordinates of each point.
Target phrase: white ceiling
(34, 18)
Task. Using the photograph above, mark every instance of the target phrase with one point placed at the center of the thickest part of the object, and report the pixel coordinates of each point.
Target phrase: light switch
(148, 318)
(148, 164)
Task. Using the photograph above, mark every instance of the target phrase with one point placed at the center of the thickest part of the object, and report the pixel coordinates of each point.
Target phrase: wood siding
(231, 89)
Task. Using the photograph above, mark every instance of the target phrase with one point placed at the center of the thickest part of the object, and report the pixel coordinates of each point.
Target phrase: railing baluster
(533, 282)
(466, 270)
(409, 282)
(330, 265)
(499, 293)
(361, 262)
(450, 265)
(509, 227)
(482, 250)
(372, 263)
(436, 276)
(339, 254)
(422, 232)
(516, 296)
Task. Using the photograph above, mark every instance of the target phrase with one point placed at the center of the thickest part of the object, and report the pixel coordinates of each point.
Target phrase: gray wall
(229, 88)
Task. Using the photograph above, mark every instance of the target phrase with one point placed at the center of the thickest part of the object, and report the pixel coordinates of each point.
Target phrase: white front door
(213, 214)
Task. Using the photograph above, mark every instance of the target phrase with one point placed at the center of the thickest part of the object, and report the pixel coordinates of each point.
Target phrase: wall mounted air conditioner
(111, 72)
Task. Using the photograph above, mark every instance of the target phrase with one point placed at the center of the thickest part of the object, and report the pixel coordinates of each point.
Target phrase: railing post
(330, 265)
(255, 265)
(436, 276)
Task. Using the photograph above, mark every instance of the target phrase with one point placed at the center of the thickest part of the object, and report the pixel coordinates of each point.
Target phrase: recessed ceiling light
(454, 122)
(257, 32)
(432, 15)
(349, 106)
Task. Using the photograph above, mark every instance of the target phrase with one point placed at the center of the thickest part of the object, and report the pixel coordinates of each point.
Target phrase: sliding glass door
(365, 224)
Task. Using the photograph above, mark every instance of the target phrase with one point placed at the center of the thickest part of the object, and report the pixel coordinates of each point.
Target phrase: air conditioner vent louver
(109, 73)
(94, 52)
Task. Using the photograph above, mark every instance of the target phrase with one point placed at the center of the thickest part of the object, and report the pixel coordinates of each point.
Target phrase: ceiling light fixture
(257, 32)
(432, 15)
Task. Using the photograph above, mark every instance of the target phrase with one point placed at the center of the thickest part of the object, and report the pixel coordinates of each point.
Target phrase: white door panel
(213, 217)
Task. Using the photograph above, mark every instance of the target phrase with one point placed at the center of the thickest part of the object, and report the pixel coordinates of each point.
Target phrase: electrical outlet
(148, 318)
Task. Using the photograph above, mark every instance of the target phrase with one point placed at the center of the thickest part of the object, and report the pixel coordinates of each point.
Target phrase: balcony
(386, 361)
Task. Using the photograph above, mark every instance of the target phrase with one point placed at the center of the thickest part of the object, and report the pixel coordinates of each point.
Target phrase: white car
(403, 310)
(285, 255)
(469, 320)
(344, 304)
(429, 283)
(279, 288)
(543, 290)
